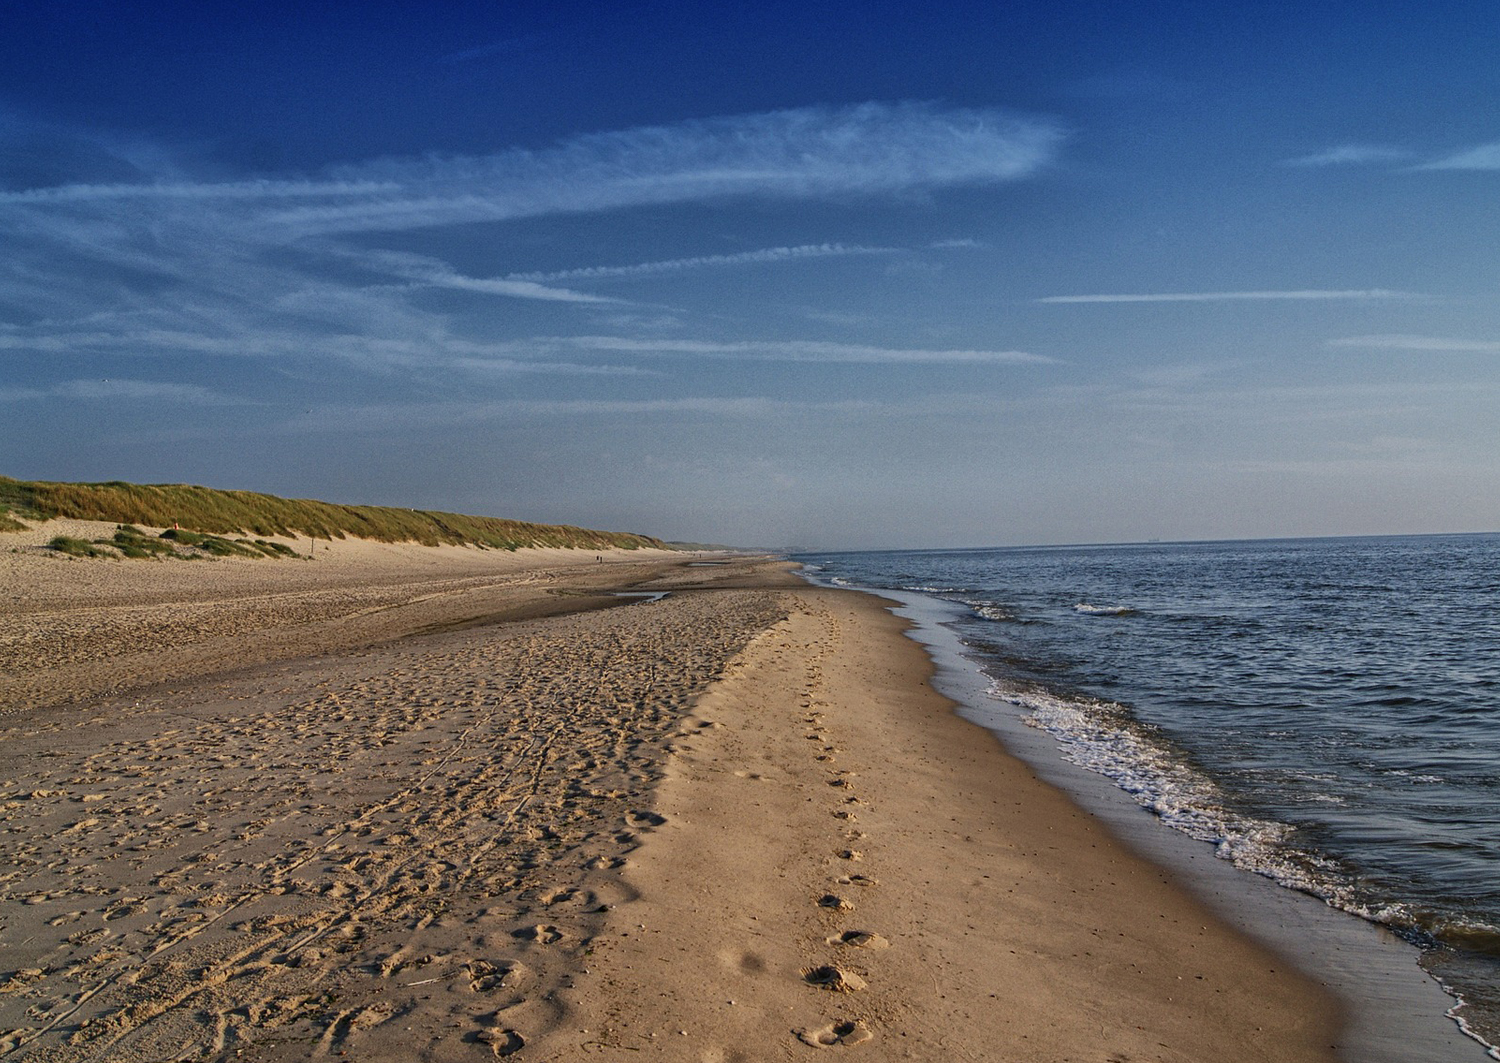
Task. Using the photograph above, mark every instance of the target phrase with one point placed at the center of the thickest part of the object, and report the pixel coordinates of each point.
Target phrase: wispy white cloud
(388, 416)
(109, 390)
(1478, 157)
(427, 353)
(1482, 157)
(767, 255)
(166, 265)
(797, 351)
(1352, 155)
(516, 289)
(425, 271)
(162, 190)
(539, 354)
(1220, 297)
(1419, 343)
(811, 152)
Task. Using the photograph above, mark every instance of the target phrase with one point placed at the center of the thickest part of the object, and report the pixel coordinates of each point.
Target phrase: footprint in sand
(542, 934)
(644, 820)
(860, 939)
(838, 1034)
(834, 979)
(834, 901)
(857, 880)
(486, 977)
(502, 1042)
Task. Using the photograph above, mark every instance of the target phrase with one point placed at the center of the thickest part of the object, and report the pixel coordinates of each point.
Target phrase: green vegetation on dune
(214, 513)
(130, 541)
(66, 544)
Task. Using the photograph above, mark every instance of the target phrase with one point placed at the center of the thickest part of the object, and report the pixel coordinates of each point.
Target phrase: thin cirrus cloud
(108, 390)
(810, 152)
(795, 351)
(1352, 155)
(425, 271)
(515, 289)
(1419, 343)
(384, 418)
(872, 148)
(512, 287)
(772, 255)
(1479, 157)
(1221, 297)
(179, 190)
(427, 352)
(1482, 157)
(243, 263)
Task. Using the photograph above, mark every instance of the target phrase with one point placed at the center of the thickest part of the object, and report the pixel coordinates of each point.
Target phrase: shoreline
(1397, 1013)
(843, 862)
(463, 822)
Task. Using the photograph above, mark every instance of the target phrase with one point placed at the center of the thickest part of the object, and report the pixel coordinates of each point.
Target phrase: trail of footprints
(842, 974)
(425, 841)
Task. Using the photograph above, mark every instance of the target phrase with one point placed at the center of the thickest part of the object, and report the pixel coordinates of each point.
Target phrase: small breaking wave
(1103, 610)
(1102, 737)
(993, 612)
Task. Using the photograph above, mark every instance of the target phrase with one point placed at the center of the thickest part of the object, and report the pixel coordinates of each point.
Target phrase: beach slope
(844, 864)
(455, 806)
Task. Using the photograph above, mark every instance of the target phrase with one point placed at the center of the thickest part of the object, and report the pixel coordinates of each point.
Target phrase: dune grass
(219, 514)
(129, 541)
(66, 544)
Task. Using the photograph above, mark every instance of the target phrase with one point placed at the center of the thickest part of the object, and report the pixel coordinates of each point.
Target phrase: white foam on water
(1103, 610)
(1099, 736)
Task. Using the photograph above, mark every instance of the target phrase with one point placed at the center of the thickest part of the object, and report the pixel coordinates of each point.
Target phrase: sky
(800, 276)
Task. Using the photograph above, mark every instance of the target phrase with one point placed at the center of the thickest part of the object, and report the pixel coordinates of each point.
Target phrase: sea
(1320, 713)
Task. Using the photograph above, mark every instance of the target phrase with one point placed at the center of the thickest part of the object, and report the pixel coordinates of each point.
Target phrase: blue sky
(781, 274)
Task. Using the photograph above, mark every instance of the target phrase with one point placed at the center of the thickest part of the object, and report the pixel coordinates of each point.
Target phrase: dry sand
(72, 627)
(419, 808)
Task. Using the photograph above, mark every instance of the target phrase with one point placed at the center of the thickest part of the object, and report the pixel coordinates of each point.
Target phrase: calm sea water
(1325, 712)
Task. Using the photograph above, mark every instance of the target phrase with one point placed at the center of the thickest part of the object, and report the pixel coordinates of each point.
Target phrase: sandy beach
(402, 803)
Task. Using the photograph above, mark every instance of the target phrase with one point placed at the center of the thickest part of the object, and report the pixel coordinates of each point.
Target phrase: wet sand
(452, 813)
